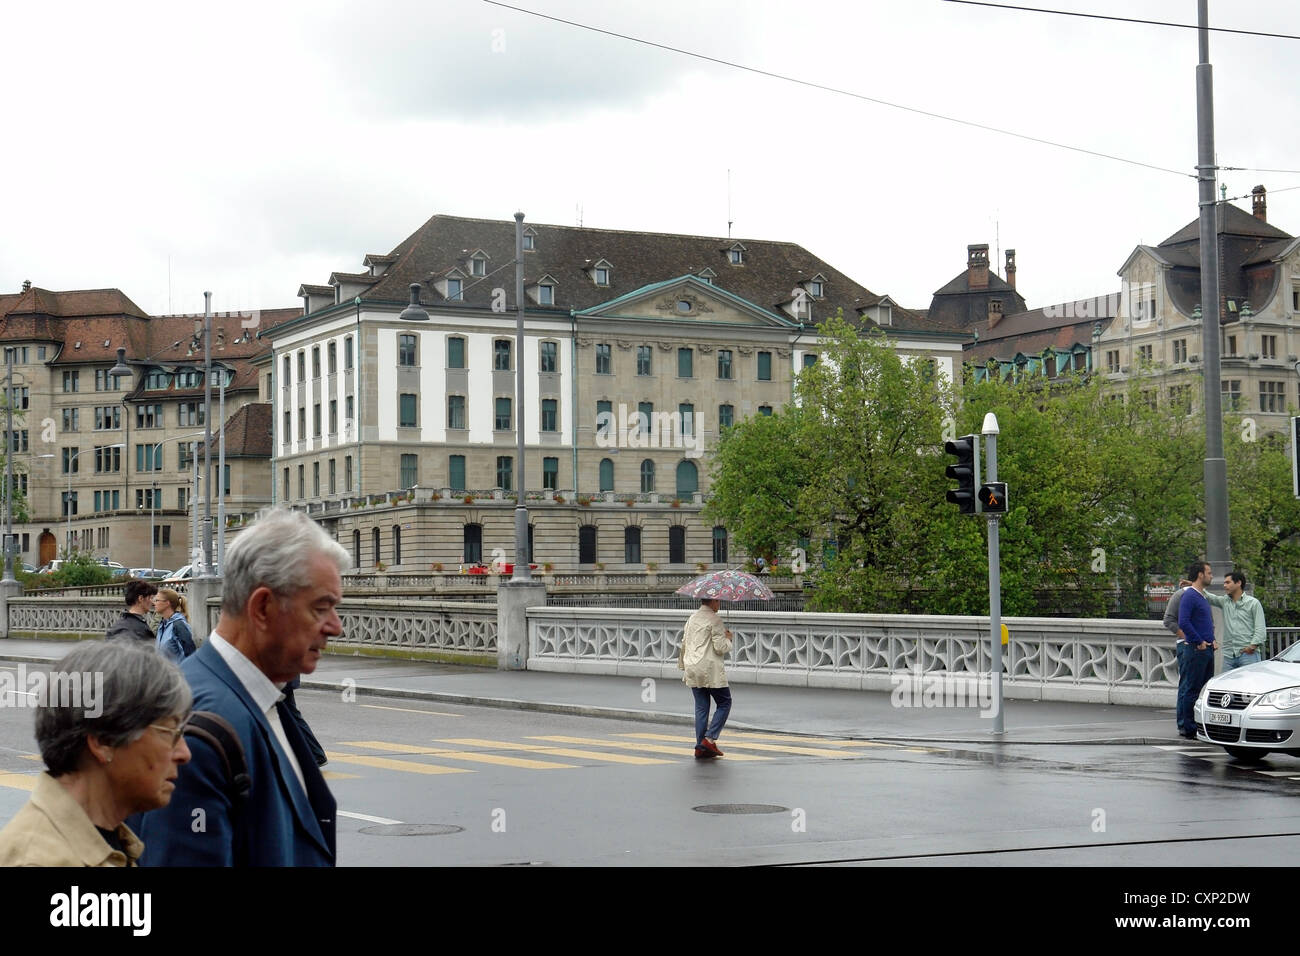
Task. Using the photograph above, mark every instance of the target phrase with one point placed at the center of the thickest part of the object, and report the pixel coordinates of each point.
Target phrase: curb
(659, 717)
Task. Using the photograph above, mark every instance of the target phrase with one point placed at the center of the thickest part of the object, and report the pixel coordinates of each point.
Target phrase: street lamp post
(153, 494)
(9, 466)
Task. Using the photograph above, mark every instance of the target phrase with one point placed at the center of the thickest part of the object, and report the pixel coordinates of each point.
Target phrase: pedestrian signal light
(993, 497)
(966, 450)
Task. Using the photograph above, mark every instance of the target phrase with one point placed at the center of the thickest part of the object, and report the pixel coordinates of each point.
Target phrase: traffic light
(993, 497)
(966, 450)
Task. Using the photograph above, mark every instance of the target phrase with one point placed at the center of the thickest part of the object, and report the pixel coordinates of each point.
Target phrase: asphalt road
(422, 784)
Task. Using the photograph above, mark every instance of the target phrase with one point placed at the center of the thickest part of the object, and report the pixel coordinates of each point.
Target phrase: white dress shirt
(265, 695)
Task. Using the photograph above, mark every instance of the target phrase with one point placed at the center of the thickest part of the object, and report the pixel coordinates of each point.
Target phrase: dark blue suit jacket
(276, 826)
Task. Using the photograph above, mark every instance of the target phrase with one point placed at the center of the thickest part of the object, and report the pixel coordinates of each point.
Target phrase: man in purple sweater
(1196, 649)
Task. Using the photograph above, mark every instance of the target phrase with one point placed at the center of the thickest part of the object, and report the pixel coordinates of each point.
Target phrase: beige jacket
(51, 829)
(704, 644)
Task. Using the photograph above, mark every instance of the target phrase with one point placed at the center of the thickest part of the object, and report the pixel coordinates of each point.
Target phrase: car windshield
(1291, 655)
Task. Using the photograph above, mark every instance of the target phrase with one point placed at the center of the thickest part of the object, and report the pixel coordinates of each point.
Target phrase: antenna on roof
(577, 207)
(729, 220)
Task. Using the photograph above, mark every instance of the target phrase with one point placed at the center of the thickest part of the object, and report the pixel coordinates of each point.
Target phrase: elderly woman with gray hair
(111, 734)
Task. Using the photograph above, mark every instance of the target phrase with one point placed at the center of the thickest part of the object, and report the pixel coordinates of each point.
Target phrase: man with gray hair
(282, 583)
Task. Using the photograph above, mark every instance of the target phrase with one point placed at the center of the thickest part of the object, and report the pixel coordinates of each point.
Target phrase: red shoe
(701, 753)
(711, 747)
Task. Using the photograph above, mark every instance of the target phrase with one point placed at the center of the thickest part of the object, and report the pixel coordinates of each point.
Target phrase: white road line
(366, 817)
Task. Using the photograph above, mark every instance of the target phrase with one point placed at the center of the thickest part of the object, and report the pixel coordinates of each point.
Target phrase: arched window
(606, 474)
(587, 544)
(397, 544)
(688, 479)
(677, 544)
(647, 475)
(473, 553)
(374, 541)
(632, 545)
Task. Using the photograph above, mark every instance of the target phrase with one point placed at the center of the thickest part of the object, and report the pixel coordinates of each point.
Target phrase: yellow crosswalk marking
(681, 750)
(336, 775)
(388, 763)
(412, 710)
(803, 739)
(18, 781)
(554, 751)
(499, 759)
(730, 745)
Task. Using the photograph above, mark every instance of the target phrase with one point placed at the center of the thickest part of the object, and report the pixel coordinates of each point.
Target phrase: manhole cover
(412, 829)
(741, 808)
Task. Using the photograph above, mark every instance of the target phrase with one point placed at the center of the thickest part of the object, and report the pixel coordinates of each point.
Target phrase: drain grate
(412, 829)
(741, 808)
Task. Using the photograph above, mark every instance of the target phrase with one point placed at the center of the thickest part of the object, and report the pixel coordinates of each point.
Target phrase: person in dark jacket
(175, 639)
(132, 623)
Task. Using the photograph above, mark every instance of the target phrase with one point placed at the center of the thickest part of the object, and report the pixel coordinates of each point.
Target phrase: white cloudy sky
(244, 148)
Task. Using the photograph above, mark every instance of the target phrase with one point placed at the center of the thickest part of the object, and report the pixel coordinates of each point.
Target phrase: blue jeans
(1241, 660)
(722, 696)
(1195, 668)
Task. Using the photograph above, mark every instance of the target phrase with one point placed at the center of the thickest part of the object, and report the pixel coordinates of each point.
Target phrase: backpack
(216, 732)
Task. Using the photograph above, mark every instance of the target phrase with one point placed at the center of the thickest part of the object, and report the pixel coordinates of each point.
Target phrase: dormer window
(708, 275)
(454, 288)
(736, 255)
(600, 272)
(478, 264)
(530, 239)
(816, 286)
(543, 291)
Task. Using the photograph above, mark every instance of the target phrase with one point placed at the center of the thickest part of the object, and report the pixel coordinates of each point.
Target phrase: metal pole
(67, 502)
(221, 475)
(522, 572)
(1216, 470)
(194, 514)
(995, 576)
(9, 467)
(153, 494)
(207, 443)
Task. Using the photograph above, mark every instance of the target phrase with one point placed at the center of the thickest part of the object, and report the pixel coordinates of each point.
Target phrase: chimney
(977, 267)
(995, 312)
(1011, 268)
(27, 284)
(1259, 203)
(221, 338)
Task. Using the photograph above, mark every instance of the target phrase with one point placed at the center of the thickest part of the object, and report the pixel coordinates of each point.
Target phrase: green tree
(758, 474)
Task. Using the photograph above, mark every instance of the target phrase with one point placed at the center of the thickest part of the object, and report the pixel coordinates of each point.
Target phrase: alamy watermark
(82, 690)
(915, 689)
(638, 429)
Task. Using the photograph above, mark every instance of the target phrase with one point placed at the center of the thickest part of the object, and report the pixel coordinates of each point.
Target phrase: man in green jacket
(1243, 622)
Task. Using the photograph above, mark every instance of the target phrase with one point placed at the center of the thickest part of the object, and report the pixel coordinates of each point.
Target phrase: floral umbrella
(726, 585)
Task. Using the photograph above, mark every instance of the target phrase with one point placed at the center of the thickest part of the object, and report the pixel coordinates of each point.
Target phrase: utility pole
(1216, 470)
(522, 571)
(207, 442)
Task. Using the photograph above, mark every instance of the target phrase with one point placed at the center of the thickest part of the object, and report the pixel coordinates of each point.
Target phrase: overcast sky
(244, 148)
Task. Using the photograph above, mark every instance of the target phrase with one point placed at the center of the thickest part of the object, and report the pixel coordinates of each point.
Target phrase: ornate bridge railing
(1095, 660)
(466, 629)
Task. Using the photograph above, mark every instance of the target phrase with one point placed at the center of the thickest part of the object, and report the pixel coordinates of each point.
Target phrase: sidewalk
(795, 710)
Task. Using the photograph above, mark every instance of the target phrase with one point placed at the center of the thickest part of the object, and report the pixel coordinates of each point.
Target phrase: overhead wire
(841, 92)
(1102, 16)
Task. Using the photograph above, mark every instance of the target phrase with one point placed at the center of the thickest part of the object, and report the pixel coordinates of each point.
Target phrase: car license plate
(1212, 717)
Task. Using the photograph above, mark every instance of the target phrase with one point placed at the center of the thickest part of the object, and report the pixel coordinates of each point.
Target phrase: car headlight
(1287, 698)
(1205, 692)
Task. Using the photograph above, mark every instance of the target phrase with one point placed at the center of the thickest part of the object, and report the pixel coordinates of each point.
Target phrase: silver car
(1253, 711)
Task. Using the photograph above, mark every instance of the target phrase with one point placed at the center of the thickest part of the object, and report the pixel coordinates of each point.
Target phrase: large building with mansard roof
(639, 348)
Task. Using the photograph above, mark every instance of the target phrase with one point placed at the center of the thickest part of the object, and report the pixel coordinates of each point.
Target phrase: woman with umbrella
(705, 643)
